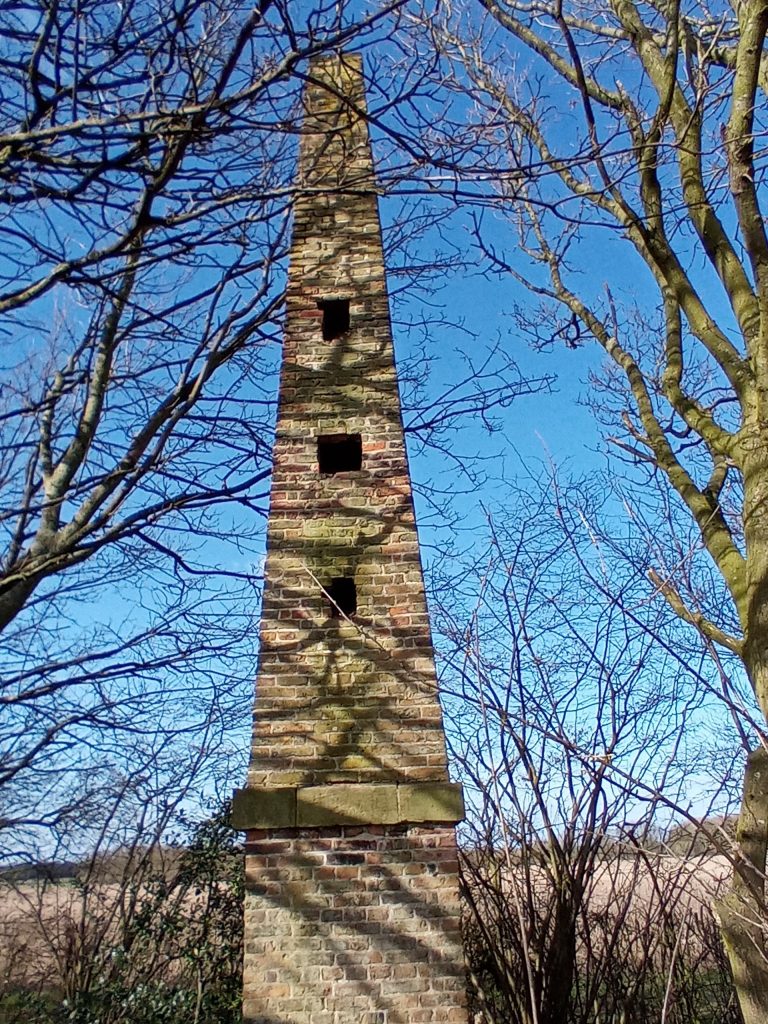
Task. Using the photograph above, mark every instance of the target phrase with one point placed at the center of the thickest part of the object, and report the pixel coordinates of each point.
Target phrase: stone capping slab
(364, 803)
(263, 808)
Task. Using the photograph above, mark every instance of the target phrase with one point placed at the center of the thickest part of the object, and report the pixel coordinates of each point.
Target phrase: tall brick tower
(351, 898)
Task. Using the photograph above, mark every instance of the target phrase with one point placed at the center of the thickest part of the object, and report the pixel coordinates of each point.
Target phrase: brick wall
(356, 918)
(367, 921)
(338, 700)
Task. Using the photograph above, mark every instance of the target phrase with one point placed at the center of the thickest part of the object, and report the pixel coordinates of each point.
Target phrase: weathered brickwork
(353, 925)
(340, 700)
(355, 919)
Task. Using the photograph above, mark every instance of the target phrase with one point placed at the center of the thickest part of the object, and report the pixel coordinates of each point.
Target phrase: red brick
(345, 925)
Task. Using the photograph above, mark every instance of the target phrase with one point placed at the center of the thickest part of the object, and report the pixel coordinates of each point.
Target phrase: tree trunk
(741, 912)
(560, 959)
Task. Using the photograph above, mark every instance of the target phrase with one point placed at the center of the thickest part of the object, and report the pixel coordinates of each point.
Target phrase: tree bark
(742, 911)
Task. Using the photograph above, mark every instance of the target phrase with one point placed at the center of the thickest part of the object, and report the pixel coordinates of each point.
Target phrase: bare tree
(620, 144)
(147, 165)
(147, 157)
(141, 931)
(581, 723)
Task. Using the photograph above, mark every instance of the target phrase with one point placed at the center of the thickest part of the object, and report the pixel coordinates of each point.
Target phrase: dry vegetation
(640, 932)
(151, 937)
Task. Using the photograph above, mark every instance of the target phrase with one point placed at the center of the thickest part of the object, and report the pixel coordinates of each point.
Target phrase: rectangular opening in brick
(335, 317)
(339, 453)
(343, 594)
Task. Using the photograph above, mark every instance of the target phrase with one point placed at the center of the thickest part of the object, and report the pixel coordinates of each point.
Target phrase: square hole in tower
(339, 453)
(335, 317)
(343, 596)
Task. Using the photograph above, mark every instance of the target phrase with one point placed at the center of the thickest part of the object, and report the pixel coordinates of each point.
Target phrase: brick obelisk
(351, 913)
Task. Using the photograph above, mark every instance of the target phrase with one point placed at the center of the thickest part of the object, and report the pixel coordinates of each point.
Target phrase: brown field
(45, 926)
